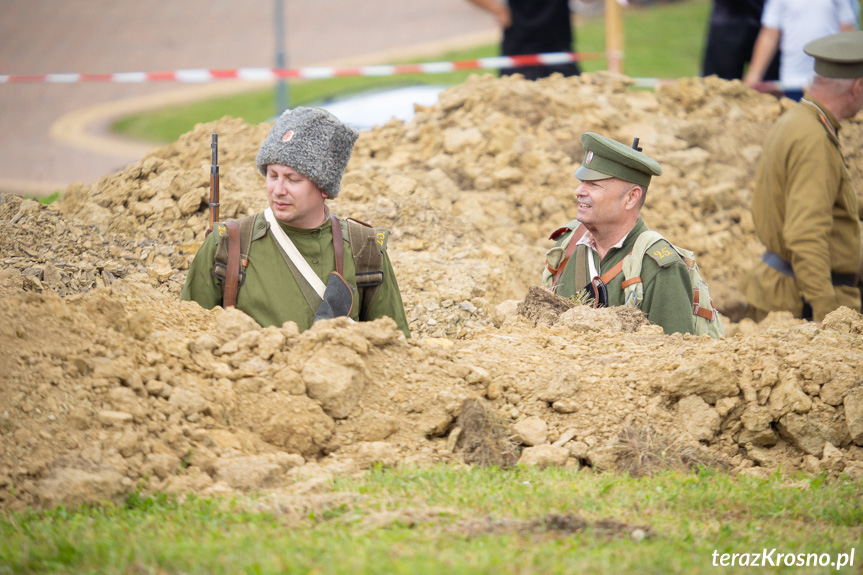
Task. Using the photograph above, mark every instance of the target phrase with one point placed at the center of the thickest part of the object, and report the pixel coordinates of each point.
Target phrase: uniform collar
(828, 120)
(588, 240)
(310, 231)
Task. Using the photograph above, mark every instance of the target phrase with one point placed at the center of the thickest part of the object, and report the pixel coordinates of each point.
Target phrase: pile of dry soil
(108, 383)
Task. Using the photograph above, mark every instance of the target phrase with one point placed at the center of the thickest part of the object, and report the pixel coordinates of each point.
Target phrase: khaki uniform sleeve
(813, 183)
(668, 294)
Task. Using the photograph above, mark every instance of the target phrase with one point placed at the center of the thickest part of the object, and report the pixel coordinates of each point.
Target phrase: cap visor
(586, 174)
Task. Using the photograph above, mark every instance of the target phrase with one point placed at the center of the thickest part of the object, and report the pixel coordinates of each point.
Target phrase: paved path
(54, 134)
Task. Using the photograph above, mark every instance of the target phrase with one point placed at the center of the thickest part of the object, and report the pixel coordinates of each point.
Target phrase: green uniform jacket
(270, 294)
(805, 210)
(667, 287)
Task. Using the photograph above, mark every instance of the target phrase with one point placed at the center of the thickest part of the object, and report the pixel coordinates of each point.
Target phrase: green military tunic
(805, 210)
(665, 277)
(270, 293)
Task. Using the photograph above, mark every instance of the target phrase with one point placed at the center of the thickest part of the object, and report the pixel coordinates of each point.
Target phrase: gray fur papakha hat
(838, 55)
(606, 158)
(313, 142)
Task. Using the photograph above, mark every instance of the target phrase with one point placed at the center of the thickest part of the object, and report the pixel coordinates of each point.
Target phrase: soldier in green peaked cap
(804, 207)
(838, 55)
(589, 253)
(606, 158)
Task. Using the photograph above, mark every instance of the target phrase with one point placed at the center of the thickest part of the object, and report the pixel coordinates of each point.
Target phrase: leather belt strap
(847, 280)
(338, 245)
(232, 272)
(612, 273)
(707, 313)
(599, 284)
(776, 262)
(634, 280)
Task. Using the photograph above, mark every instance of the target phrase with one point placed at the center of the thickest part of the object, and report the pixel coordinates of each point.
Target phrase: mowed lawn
(452, 519)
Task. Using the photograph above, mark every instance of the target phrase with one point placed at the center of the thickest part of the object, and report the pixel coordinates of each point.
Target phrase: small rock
(544, 456)
(532, 430)
(114, 418)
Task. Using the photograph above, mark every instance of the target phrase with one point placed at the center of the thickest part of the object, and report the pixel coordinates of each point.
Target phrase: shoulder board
(381, 237)
(663, 253)
(220, 230)
(261, 226)
(567, 228)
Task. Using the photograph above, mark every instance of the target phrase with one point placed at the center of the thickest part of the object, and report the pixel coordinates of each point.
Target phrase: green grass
(442, 519)
(49, 199)
(663, 41)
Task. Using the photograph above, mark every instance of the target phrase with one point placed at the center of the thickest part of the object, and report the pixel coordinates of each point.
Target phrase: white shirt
(800, 22)
(588, 240)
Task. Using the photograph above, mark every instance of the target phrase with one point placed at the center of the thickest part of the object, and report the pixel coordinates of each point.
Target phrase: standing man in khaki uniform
(804, 206)
(301, 264)
(589, 251)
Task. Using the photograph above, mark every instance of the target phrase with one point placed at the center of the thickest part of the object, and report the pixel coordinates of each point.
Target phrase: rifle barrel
(214, 183)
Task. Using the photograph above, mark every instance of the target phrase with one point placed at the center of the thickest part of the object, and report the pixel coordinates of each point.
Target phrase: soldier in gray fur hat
(295, 261)
(313, 142)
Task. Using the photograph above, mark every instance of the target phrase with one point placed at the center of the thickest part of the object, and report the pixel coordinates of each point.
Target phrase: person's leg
(725, 53)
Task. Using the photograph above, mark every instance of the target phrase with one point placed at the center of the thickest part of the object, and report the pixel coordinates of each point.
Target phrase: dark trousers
(729, 50)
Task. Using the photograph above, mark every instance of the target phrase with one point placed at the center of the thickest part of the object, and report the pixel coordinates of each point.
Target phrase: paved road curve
(47, 36)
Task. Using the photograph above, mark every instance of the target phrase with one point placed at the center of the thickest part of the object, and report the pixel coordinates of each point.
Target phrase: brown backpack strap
(250, 228)
(338, 245)
(612, 273)
(366, 248)
(232, 272)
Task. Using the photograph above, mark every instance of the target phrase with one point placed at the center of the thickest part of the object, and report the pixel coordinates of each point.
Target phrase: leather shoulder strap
(570, 248)
(338, 244)
(232, 273)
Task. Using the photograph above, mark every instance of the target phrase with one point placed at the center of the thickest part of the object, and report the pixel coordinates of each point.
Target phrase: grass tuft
(485, 438)
(644, 452)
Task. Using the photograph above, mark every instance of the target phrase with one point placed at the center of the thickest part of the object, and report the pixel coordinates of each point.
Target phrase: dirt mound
(108, 383)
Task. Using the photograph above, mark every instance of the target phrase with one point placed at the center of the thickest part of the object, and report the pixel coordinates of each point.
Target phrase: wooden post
(614, 36)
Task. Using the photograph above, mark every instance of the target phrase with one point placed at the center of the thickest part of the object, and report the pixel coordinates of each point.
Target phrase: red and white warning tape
(263, 74)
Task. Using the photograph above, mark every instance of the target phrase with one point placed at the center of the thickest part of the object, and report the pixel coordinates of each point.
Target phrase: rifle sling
(232, 271)
(338, 245)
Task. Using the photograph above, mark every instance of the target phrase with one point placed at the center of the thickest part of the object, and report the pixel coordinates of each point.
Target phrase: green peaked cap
(838, 55)
(606, 158)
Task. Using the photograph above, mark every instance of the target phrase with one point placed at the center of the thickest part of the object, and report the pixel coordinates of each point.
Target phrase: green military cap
(606, 158)
(838, 55)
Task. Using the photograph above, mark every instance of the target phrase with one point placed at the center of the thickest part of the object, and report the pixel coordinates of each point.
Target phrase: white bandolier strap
(288, 246)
